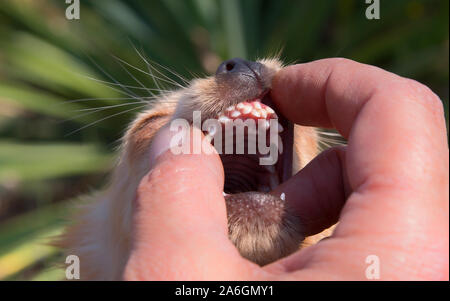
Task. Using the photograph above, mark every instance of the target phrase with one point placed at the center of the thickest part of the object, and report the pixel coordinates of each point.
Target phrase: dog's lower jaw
(266, 230)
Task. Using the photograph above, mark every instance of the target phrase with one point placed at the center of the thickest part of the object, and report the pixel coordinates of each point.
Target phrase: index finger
(395, 126)
(396, 163)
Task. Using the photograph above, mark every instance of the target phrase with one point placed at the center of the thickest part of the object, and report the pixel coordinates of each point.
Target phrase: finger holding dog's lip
(396, 162)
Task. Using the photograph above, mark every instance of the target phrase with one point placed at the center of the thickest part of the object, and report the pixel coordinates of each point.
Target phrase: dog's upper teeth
(224, 119)
(235, 114)
(256, 114)
(246, 109)
(264, 114)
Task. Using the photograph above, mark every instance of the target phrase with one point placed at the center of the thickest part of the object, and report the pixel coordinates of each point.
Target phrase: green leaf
(27, 161)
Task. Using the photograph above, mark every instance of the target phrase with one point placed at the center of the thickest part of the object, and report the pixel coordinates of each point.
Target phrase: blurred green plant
(59, 122)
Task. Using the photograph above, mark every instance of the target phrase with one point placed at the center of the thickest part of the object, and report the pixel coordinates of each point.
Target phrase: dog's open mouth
(260, 223)
(244, 168)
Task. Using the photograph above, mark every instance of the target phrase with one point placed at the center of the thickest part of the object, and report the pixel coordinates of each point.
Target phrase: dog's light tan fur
(100, 234)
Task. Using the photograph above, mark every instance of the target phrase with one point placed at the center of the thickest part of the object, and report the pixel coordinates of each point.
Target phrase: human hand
(388, 187)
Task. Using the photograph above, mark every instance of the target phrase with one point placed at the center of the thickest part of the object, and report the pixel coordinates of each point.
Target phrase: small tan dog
(260, 225)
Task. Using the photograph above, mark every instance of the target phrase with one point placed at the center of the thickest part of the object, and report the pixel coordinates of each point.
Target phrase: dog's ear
(100, 228)
(138, 138)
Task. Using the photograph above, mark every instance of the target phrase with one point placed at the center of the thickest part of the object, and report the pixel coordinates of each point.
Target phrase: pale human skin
(388, 188)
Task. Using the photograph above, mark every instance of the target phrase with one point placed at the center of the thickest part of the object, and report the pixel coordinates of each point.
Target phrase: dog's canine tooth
(269, 110)
(283, 196)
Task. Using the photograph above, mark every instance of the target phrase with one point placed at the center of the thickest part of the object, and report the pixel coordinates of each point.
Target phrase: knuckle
(424, 95)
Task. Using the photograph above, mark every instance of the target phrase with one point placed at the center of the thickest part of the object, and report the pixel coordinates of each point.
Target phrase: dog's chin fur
(100, 234)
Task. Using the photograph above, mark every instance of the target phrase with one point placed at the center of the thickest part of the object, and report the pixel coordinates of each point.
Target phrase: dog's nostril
(237, 67)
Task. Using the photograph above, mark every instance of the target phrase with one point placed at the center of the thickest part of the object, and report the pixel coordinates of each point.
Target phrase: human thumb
(180, 224)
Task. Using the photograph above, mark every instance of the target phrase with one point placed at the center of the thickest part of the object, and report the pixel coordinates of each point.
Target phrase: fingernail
(161, 143)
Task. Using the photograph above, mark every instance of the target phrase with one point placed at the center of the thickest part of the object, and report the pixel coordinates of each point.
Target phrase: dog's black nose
(238, 66)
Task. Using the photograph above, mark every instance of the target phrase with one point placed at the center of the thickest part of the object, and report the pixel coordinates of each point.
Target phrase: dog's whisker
(127, 86)
(103, 119)
(150, 65)
(133, 77)
(150, 74)
(131, 94)
(148, 68)
(93, 111)
(110, 107)
(185, 81)
(94, 98)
